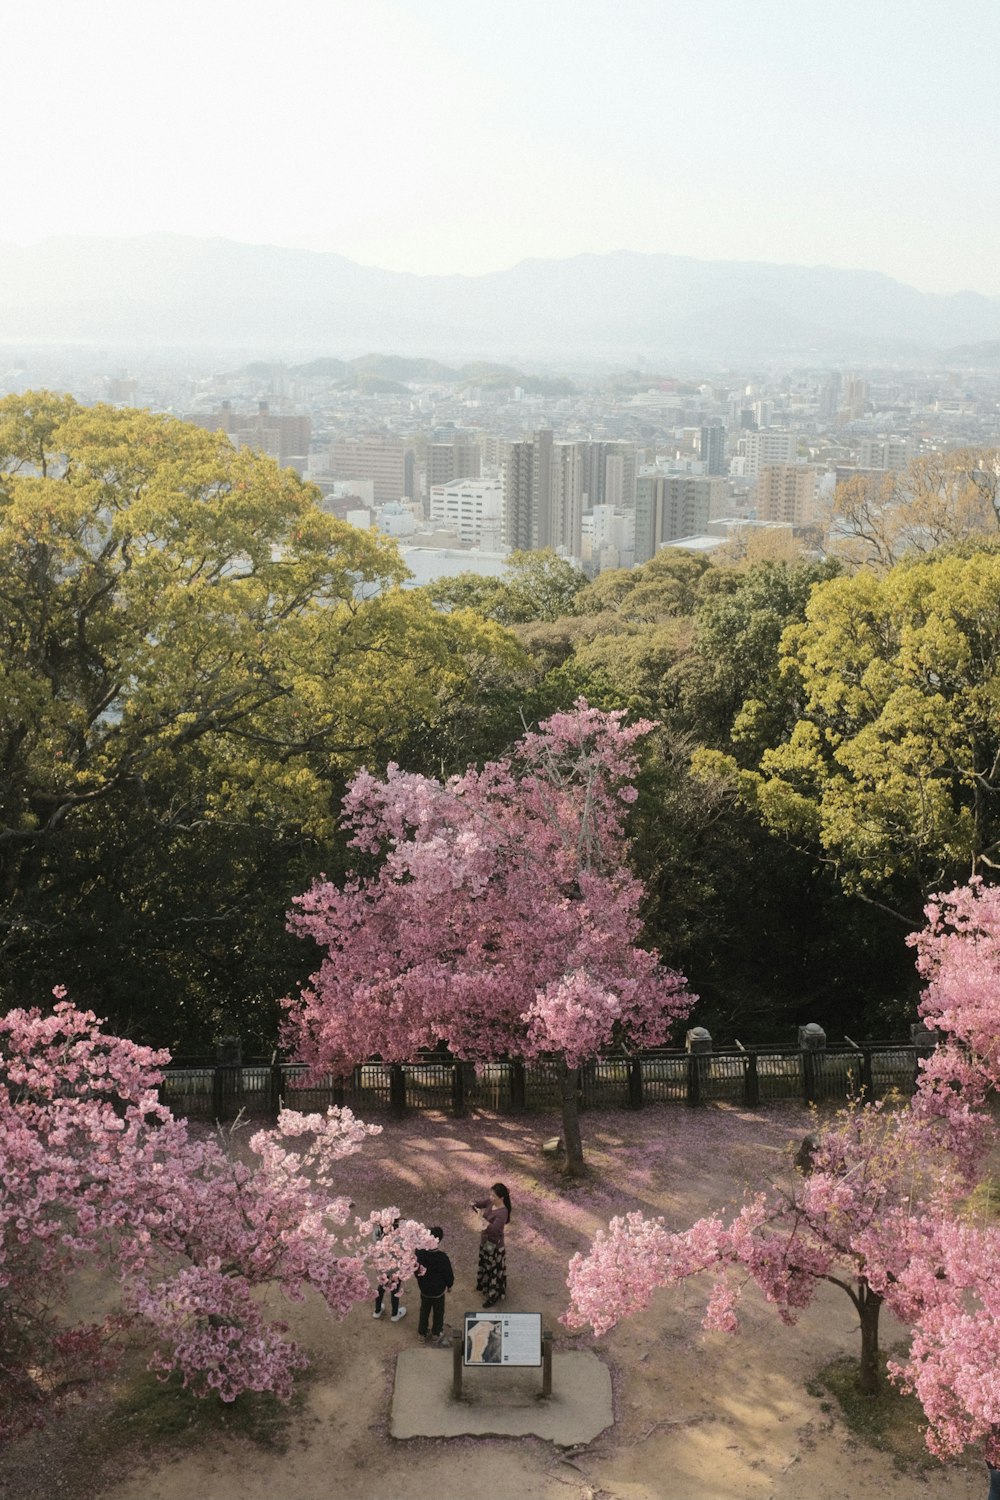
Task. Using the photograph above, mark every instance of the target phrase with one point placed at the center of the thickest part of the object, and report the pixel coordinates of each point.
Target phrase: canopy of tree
(188, 644)
(888, 759)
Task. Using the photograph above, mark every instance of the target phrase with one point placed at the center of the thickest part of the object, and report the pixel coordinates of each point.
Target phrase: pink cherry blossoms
(503, 918)
(882, 1211)
(97, 1172)
(855, 1219)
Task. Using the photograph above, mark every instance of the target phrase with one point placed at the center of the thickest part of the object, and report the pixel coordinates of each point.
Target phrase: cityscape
(462, 466)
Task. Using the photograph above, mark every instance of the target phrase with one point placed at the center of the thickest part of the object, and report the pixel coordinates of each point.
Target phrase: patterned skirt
(491, 1279)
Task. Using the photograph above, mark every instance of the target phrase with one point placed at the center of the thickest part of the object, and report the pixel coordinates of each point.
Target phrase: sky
(462, 136)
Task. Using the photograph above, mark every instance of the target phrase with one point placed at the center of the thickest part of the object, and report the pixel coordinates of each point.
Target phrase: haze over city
(442, 137)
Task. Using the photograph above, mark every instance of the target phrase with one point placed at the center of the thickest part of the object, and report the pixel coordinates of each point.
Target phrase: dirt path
(698, 1417)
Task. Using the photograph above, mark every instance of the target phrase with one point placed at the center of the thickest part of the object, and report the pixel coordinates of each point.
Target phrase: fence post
(699, 1045)
(867, 1074)
(338, 1092)
(518, 1090)
(457, 1088)
(812, 1042)
(276, 1088)
(228, 1060)
(635, 1083)
(923, 1040)
(397, 1089)
(751, 1081)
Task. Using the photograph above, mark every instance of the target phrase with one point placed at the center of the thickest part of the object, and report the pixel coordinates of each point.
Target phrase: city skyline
(439, 138)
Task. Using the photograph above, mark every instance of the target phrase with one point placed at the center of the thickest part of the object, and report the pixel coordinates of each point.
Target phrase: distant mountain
(168, 290)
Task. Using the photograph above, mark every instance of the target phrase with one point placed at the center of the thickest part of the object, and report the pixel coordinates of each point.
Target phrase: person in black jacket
(437, 1278)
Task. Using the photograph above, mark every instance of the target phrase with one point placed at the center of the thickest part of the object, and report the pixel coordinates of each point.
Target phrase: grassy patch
(889, 1421)
(149, 1413)
(984, 1201)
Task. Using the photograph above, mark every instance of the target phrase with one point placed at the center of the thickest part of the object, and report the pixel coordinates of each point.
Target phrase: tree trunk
(572, 1141)
(869, 1306)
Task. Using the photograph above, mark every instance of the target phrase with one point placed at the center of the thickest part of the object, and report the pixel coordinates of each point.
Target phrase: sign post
(491, 1340)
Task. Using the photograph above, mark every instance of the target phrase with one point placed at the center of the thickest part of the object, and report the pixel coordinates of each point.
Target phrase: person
(491, 1278)
(387, 1279)
(437, 1279)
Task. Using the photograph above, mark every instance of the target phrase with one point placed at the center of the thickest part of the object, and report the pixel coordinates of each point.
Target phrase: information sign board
(493, 1338)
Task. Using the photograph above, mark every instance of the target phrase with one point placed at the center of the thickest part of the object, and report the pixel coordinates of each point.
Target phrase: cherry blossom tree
(871, 1198)
(97, 1173)
(954, 1361)
(502, 917)
(883, 1210)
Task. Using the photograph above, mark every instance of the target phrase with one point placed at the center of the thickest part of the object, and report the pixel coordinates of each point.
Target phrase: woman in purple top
(491, 1280)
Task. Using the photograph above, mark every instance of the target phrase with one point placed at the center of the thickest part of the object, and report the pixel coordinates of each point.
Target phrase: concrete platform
(501, 1403)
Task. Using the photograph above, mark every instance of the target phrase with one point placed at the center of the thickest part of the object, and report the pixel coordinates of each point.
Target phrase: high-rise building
(668, 506)
(854, 403)
(458, 459)
(468, 506)
(284, 435)
(713, 448)
(884, 453)
(527, 492)
(381, 459)
(566, 498)
(604, 463)
(786, 492)
(770, 447)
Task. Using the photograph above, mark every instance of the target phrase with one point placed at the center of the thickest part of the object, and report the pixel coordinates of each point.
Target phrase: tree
(735, 693)
(502, 920)
(882, 1209)
(953, 1363)
(869, 1199)
(186, 640)
(889, 760)
(536, 586)
(941, 498)
(97, 1173)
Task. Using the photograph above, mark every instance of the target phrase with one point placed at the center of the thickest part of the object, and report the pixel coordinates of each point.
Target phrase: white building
(769, 447)
(469, 506)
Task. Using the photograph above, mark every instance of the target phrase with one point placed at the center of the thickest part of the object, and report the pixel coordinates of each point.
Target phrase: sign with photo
(493, 1338)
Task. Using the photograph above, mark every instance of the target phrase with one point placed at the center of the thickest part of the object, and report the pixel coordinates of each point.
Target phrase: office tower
(381, 459)
(713, 448)
(527, 491)
(602, 460)
(884, 453)
(283, 435)
(669, 506)
(566, 498)
(786, 492)
(456, 459)
(468, 506)
(770, 447)
(855, 398)
(829, 397)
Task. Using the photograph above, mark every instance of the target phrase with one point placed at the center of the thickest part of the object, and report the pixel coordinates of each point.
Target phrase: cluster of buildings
(605, 473)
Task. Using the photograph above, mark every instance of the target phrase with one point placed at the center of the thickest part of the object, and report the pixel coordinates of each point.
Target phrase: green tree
(889, 762)
(734, 689)
(536, 586)
(188, 644)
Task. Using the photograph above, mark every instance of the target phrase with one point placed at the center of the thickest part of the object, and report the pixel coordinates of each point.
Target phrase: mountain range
(165, 290)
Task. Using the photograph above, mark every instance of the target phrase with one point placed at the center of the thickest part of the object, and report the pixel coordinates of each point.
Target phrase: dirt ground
(697, 1416)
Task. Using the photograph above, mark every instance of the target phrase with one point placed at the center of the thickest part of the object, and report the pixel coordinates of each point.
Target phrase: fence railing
(747, 1076)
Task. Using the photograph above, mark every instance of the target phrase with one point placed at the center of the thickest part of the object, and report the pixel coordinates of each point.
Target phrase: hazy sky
(465, 135)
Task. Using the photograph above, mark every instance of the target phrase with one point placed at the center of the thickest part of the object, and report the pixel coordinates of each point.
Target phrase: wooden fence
(748, 1076)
